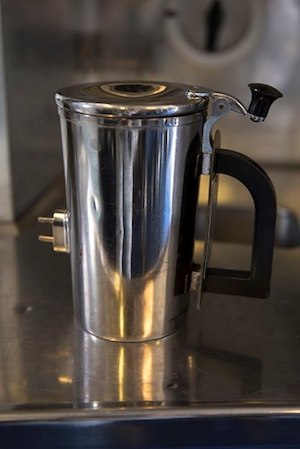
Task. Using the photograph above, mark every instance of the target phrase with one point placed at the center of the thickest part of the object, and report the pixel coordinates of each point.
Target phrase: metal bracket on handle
(60, 231)
(199, 271)
(219, 108)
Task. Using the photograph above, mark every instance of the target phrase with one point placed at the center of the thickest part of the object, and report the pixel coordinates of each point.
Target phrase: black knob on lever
(262, 98)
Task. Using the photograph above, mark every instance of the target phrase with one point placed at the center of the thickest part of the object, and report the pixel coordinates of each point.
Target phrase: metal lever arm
(262, 98)
(203, 92)
(221, 103)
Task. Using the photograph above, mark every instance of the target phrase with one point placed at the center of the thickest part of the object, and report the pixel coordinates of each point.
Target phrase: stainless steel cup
(133, 154)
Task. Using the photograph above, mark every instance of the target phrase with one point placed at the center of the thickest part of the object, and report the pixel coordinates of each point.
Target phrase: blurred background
(221, 44)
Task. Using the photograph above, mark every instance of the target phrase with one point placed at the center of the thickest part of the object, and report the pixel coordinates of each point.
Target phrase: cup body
(131, 191)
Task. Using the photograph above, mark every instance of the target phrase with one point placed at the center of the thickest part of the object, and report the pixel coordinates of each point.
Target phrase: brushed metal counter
(237, 351)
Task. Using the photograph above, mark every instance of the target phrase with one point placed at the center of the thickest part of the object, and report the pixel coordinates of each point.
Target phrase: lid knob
(262, 98)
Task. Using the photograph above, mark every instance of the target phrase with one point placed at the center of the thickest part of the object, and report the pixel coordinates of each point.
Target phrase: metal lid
(130, 99)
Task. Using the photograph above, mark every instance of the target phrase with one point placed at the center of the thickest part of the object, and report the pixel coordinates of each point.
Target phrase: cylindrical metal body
(132, 188)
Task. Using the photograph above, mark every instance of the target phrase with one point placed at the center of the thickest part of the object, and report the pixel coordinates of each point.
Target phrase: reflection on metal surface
(173, 370)
(121, 370)
(132, 89)
(65, 380)
(148, 311)
(229, 351)
(147, 374)
(119, 295)
(113, 372)
(21, 381)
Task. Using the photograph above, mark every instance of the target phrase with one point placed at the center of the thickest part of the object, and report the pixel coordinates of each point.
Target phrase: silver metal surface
(132, 189)
(234, 356)
(204, 92)
(138, 99)
(66, 414)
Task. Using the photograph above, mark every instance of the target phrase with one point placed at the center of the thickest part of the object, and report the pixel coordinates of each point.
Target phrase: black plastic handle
(256, 282)
(262, 98)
